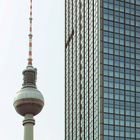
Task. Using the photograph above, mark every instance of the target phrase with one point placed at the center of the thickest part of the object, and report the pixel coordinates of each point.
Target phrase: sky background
(48, 58)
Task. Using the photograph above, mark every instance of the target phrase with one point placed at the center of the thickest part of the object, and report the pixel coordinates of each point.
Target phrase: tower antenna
(30, 36)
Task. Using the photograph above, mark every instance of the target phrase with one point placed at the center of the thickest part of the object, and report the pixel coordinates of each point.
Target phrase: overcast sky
(48, 58)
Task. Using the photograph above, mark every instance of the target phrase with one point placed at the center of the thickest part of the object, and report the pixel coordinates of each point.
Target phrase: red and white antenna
(30, 36)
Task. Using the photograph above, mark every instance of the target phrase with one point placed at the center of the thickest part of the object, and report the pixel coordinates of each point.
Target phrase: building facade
(102, 69)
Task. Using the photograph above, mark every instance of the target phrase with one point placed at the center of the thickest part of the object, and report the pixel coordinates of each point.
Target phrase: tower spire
(30, 36)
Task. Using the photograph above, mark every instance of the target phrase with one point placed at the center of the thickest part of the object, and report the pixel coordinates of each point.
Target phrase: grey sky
(48, 57)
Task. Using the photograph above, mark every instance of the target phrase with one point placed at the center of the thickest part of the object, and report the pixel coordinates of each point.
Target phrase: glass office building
(102, 69)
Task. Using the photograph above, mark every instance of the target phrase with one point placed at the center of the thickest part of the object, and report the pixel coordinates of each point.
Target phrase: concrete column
(28, 124)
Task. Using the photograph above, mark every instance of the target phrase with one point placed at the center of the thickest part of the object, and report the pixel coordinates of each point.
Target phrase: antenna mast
(30, 37)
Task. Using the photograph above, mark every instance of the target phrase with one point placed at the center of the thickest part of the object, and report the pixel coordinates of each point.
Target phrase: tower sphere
(28, 101)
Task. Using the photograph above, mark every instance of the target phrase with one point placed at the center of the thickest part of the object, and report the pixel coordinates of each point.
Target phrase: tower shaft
(28, 124)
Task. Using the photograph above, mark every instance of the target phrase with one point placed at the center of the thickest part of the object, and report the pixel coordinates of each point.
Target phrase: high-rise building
(102, 69)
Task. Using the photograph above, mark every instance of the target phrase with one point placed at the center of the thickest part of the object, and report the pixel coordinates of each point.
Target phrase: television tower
(29, 100)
